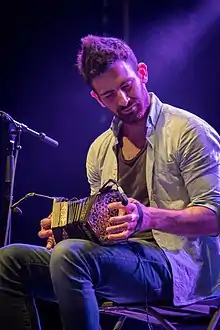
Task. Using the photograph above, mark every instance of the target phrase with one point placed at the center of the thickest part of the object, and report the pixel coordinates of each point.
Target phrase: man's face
(123, 91)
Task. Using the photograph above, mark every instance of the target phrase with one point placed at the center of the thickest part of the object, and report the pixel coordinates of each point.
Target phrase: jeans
(76, 274)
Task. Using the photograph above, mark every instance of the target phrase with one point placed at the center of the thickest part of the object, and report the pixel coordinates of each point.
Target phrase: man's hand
(46, 232)
(124, 225)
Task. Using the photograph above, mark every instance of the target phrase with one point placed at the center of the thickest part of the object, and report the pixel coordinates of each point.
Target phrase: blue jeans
(76, 274)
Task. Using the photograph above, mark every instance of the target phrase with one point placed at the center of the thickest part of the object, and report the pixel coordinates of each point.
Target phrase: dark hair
(97, 54)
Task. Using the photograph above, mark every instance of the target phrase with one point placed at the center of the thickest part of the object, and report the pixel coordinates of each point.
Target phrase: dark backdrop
(40, 85)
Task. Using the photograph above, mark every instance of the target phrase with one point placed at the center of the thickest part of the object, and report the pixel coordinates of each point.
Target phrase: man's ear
(95, 96)
(143, 72)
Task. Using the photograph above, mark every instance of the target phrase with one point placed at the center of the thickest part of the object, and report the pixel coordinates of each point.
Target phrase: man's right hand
(46, 232)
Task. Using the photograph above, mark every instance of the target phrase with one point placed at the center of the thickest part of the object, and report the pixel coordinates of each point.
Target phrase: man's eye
(110, 95)
(127, 85)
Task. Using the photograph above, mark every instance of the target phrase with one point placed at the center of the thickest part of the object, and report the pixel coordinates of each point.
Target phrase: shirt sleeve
(92, 170)
(199, 159)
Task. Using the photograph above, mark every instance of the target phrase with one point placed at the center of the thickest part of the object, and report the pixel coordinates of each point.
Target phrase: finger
(45, 223)
(124, 218)
(119, 236)
(45, 233)
(50, 243)
(122, 212)
(119, 228)
(118, 205)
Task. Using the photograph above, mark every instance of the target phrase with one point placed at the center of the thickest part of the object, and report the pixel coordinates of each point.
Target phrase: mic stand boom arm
(13, 148)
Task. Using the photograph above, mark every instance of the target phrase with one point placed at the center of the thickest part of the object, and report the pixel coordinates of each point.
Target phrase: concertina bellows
(86, 218)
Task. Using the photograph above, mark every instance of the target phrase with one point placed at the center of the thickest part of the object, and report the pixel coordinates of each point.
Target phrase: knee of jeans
(72, 250)
(13, 254)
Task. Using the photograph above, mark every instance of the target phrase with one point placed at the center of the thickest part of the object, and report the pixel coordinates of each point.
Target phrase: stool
(206, 311)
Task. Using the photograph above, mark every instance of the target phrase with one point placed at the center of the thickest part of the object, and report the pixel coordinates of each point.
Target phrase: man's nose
(123, 98)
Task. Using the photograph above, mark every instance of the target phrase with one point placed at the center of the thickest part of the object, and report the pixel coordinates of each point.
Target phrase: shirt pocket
(168, 184)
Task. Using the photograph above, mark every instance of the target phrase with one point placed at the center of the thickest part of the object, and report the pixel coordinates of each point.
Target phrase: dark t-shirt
(132, 179)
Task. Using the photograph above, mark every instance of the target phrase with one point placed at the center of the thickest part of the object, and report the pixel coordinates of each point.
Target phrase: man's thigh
(25, 268)
(125, 273)
(137, 272)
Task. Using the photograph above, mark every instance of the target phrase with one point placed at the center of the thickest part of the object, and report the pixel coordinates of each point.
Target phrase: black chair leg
(214, 321)
(119, 324)
(167, 325)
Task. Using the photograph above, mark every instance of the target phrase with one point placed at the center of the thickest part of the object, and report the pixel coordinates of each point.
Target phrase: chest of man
(130, 149)
(163, 178)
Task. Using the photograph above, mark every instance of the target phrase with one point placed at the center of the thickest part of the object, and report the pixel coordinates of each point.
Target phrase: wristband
(140, 218)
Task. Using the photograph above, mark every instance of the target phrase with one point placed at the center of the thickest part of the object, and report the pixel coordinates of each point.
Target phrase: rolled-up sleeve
(199, 158)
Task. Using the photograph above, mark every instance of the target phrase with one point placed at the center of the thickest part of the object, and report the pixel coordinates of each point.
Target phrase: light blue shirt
(182, 170)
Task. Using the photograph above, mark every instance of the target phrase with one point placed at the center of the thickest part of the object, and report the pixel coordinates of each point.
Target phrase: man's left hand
(124, 225)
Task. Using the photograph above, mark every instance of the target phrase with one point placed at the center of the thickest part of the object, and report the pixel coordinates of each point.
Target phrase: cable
(106, 187)
(145, 282)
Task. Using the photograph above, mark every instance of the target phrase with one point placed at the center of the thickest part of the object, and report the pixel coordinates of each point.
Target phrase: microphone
(22, 127)
(15, 207)
(17, 211)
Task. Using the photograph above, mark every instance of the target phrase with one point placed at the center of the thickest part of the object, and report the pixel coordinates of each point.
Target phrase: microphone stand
(13, 148)
(32, 194)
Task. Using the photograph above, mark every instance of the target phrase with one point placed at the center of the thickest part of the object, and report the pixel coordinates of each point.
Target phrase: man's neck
(135, 132)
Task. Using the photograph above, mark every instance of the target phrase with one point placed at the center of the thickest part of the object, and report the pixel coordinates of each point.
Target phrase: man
(167, 161)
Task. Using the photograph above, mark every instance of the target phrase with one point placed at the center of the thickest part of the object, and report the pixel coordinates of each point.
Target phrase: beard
(136, 109)
(131, 115)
